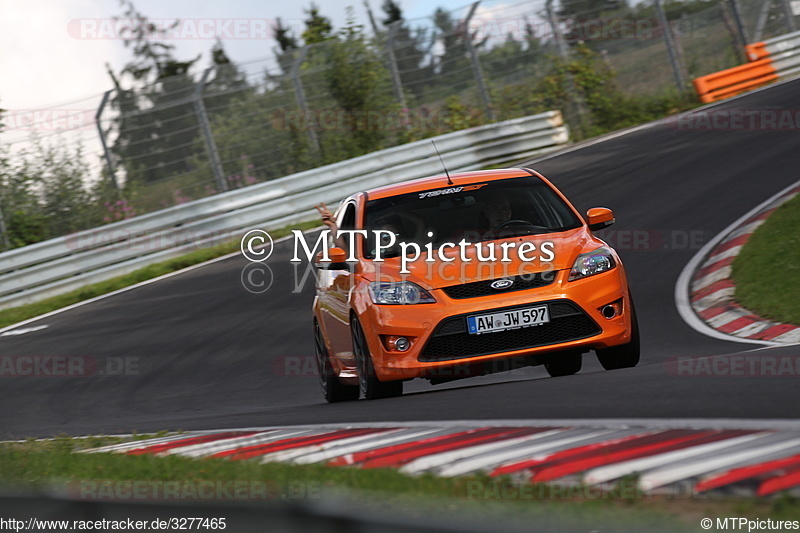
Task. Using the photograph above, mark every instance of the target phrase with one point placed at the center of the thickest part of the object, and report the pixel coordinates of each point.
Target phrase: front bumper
(440, 342)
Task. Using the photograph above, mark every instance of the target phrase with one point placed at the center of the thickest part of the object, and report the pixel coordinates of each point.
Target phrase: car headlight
(399, 293)
(591, 263)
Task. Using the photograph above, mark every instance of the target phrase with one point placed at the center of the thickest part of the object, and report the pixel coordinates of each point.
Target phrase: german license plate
(513, 319)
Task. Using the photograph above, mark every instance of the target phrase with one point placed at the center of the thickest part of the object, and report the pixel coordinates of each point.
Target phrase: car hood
(565, 247)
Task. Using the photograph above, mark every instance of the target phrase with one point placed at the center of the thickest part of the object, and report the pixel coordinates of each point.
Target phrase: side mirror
(600, 218)
(337, 260)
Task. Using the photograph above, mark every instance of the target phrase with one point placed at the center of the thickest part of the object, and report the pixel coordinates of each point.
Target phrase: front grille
(483, 288)
(450, 339)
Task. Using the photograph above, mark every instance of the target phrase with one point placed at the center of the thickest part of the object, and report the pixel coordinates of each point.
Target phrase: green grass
(24, 312)
(767, 270)
(53, 466)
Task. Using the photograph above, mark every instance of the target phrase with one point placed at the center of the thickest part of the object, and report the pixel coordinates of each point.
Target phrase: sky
(55, 51)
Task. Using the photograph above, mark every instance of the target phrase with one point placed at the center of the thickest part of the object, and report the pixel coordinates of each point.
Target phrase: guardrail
(67, 263)
(770, 60)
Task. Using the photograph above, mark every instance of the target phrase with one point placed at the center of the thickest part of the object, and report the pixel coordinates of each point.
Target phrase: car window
(345, 219)
(477, 212)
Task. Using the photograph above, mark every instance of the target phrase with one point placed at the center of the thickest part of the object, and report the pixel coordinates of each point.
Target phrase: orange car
(455, 276)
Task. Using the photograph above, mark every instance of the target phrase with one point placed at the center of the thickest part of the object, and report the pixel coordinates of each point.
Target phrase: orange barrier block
(756, 51)
(732, 81)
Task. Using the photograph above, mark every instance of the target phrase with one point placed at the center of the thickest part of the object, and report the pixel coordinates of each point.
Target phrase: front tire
(369, 384)
(624, 355)
(332, 388)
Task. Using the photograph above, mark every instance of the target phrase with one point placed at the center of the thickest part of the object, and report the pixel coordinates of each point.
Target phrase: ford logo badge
(501, 284)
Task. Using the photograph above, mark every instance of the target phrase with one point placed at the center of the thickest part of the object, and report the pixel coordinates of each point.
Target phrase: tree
(408, 49)
(393, 12)
(582, 16)
(157, 126)
(287, 44)
(43, 193)
(454, 59)
(589, 8)
(514, 58)
(228, 83)
(358, 81)
(534, 51)
(318, 27)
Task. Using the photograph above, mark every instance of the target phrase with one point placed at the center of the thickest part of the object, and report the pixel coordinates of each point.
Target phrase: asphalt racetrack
(198, 351)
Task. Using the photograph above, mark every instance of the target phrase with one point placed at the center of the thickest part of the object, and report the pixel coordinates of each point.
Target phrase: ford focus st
(455, 276)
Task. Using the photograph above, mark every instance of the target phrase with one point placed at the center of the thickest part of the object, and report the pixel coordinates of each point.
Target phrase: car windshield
(476, 213)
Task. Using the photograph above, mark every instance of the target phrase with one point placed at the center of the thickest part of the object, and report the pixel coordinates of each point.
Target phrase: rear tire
(624, 355)
(368, 383)
(564, 364)
(332, 388)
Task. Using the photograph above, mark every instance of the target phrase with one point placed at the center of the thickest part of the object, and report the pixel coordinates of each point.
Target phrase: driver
(497, 210)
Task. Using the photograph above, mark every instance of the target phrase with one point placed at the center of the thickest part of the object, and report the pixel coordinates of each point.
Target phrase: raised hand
(327, 216)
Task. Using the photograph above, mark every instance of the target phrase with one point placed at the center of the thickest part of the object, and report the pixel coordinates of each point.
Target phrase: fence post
(737, 15)
(762, 20)
(372, 22)
(6, 244)
(300, 55)
(680, 81)
(551, 19)
(106, 152)
(397, 83)
(576, 111)
(788, 14)
(211, 145)
(476, 65)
